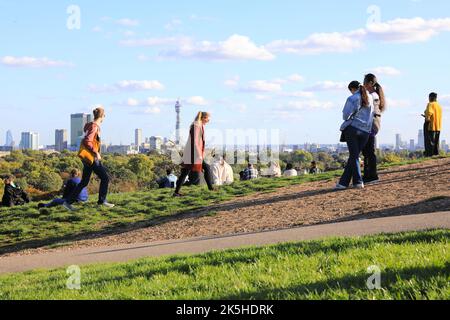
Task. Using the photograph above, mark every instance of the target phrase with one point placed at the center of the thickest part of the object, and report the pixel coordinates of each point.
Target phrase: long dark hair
(371, 79)
(364, 96)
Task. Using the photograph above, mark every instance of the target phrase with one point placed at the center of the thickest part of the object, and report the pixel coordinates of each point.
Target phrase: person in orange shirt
(433, 120)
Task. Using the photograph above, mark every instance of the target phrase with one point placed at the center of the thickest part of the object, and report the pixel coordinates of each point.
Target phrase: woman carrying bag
(89, 154)
(358, 116)
(194, 154)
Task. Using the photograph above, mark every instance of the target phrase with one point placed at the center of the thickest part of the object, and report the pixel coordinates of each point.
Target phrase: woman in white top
(290, 171)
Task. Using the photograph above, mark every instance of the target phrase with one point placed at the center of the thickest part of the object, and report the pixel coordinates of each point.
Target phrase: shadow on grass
(188, 265)
(353, 285)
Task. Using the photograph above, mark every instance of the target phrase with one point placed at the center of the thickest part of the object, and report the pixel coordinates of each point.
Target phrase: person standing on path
(358, 116)
(92, 162)
(433, 121)
(369, 151)
(194, 153)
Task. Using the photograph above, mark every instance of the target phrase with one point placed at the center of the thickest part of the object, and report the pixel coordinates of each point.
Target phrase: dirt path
(413, 189)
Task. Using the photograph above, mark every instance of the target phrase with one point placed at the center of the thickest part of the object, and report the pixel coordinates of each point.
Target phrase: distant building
(156, 143)
(124, 150)
(412, 145)
(138, 137)
(61, 142)
(9, 139)
(398, 142)
(29, 141)
(77, 123)
(420, 140)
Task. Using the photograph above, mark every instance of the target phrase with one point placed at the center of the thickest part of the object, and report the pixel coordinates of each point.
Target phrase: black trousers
(434, 142)
(185, 173)
(370, 160)
(427, 140)
(101, 173)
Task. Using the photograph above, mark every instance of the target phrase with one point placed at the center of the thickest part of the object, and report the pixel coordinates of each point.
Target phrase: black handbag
(342, 138)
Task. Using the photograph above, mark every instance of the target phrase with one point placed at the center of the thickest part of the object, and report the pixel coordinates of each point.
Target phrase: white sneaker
(340, 187)
(359, 186)
(107, 205)
(68, 206)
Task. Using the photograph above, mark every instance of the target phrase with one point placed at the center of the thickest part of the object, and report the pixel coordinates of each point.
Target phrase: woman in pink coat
(194, 153)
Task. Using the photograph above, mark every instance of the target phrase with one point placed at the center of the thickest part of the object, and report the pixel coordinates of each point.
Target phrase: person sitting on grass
(250, 173)
(13, 194)
(314, 169)
(169, 182)
(222, 172)
(69, 187)
(290, 171)
(274, 170)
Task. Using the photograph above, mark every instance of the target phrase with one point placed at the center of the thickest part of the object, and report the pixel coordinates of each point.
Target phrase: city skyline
(137, 59)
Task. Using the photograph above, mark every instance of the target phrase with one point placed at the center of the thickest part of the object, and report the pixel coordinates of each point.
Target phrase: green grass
(26, 227)
(413, 265)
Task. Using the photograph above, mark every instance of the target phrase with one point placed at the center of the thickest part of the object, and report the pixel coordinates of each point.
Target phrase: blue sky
(254, 64)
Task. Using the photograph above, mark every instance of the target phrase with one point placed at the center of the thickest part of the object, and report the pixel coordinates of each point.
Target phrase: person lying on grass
(13, 194)
(68, 188)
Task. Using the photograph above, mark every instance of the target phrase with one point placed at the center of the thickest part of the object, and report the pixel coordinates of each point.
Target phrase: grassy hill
(26, 227)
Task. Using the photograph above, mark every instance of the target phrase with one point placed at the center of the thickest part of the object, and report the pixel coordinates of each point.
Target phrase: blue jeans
(101, 173)
(356, 141)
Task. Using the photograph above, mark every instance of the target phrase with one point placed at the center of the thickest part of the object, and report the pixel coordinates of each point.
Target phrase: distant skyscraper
(156, 143)
(77, 123)
(420, 140)
(61, 142)
(138, 137)
(177, 127)
(9, 139)
(412, 145)
(30, 141)
(398, 142)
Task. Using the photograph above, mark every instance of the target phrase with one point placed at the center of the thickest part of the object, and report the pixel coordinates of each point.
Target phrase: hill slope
(411, 189)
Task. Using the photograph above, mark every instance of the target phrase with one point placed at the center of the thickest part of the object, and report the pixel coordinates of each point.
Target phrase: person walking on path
(433, 125)
(358, 116)
(194, 153)
(89, 154)
(369, 152)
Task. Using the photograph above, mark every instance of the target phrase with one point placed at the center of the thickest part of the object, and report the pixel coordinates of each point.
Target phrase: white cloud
(173, 24)
(97, 29)
(393, 31)
(385, 71)
(32, 62)
(128, 85)
(310, 105)
(126, 22)
(296, 78)
(155, 101)
(233, 82)
(261, 86)
(297, 94)
(236, 47)
(398, 103)
(132, 102)
(408, 30)
(317, 43)
(328, 86)
(198, 101)
(155, 42)
(152, 110)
